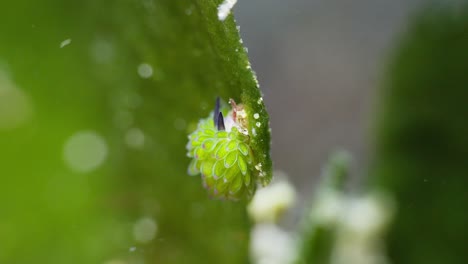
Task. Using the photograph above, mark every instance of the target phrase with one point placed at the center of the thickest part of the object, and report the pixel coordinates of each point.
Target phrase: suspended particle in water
(65, 43)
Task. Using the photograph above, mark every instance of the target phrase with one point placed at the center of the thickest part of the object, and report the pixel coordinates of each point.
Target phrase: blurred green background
(97, 99)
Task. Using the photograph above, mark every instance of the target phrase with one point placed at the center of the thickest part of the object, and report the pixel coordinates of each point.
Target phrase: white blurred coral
(361, 229)
(271, 245)
(271, 202)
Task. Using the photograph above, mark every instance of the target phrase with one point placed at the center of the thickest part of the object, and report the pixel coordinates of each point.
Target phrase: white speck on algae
(145, 230)
(225, 8)
(254, 132)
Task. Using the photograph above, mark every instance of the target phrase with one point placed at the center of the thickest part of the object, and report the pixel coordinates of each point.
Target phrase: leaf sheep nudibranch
(221, 153)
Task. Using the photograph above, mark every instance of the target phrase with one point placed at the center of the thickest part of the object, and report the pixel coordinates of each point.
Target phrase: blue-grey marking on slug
(216, 111)
(220, 124)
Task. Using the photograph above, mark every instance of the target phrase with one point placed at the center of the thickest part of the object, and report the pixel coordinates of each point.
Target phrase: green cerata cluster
(220, 152)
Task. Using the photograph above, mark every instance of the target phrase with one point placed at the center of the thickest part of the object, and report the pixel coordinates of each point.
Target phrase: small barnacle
(220, 151)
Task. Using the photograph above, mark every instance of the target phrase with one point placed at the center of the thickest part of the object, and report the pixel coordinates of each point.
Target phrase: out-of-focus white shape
(85, 151)
(258, 166)
(135, 138)
(65, 43)
(145, 70)
(15, 105)
(144, 230)
(361, 229)
(225, 8)
(256, 116)
(367, 216)
(328, 207)
(271, 245)
(269, 203)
